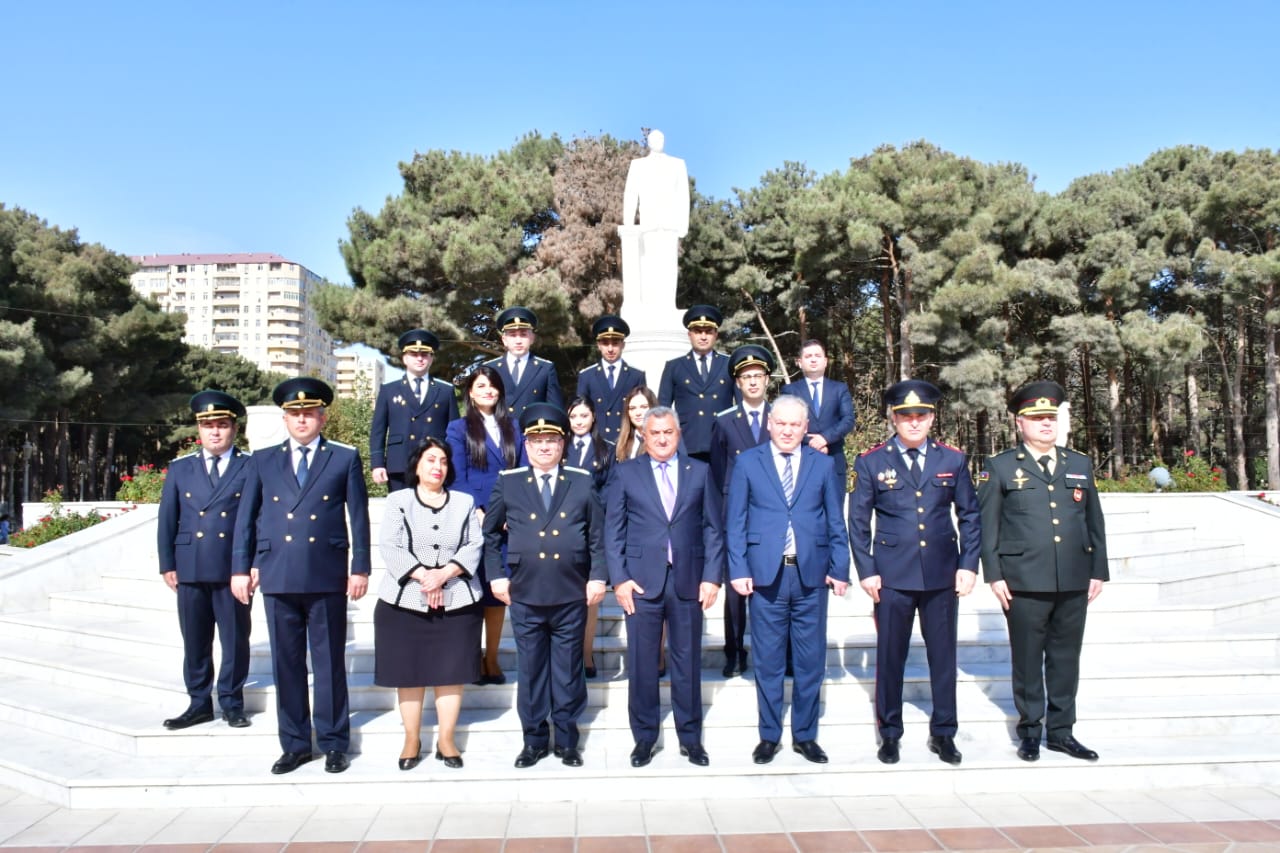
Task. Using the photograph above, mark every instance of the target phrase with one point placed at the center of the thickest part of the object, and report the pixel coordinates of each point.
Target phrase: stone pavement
(1205, 820)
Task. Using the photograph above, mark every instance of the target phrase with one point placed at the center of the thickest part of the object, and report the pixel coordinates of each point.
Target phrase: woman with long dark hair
(585, 449)
(635, 406)
(485, 441)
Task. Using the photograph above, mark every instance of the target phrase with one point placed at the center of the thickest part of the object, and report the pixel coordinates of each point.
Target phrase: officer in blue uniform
(409, 409)
(607, 382)
(193, 538)
(697, 384)
(736, 429)
(1044, 552)
(916, 560)
(526, 378)
(551, 521)
(292, 541)
(831, 415)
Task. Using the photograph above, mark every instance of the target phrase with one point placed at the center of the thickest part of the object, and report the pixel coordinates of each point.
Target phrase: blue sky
(177, 127)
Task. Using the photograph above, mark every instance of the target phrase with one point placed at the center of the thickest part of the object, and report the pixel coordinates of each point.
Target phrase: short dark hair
(812, 342)
(427, 443)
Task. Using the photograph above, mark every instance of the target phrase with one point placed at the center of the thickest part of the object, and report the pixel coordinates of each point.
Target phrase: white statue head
(656, 141)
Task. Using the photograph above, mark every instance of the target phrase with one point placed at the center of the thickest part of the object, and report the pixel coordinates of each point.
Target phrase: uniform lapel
(284, 463)
(233, 462)
(316, 463)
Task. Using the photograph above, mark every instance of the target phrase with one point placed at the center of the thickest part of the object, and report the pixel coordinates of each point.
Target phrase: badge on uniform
(1078, 495)
(889, 477)
(1019, 477)
(398, 399)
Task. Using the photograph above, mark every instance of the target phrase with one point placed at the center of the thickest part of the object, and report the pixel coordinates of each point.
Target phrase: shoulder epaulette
(540, 359)
(727, 411)
(446, 383)
(588, 367)
(338, 444)
(186, 456)
(1006, 452)
(871, 450)
(946, 446)
(519, 470)
(577, 470)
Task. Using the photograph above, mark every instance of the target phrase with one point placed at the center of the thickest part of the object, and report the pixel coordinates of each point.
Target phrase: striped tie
(788, 489)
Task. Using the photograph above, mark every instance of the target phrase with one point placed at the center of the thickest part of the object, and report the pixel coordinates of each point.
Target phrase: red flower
(1215, 469)
(125, 478)
(1191, 474)
(1188, 452)
(1216, 477)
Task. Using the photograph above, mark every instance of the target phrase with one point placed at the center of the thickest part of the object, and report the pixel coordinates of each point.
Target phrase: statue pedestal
(264, 426)
(650, 351)
(648, 301)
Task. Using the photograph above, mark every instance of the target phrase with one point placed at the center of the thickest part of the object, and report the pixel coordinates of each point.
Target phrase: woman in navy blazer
(482, 443)
(596, 459)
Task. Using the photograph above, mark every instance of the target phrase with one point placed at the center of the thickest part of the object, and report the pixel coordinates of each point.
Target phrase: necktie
(301, 473)
(788, 489)
(515, 372)
(612, 378)
(213, 470)
(755, 425)
(817, 398)
(579, 448)
(417, 388)
(546, 492)
(1044, 463)
(702, 366)
(913, 463)
(668, 500)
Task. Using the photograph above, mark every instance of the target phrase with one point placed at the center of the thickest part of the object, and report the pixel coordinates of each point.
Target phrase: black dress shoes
(530, 756)
(696, 754)
(888, 752)
(290, 761)
(569, 756)
(810, 750)
(730, 667)
(236, 719)
(336, 762)
(1029, 749)
(454, 761)
(944, 746)
(410, 762)
(188, 718)
(765, 751)
(1074, 748)
(643, 753)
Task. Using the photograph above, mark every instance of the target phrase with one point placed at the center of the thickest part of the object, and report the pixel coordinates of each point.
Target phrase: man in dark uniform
(697, 384)
(1044, 552)
(607, 382)
(665, 548)
(551, 521)
(193, 537)
(831, 416)
(915, 561)
(292, 541)
(736, 429)
(408, 410)
(526, 378)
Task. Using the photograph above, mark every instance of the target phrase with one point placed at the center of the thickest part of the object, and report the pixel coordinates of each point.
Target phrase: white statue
(658, 190)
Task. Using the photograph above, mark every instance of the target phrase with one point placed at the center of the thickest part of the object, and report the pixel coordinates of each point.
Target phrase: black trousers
(1046, 632)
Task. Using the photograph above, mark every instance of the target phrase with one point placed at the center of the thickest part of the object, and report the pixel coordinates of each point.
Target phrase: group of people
(705, 491)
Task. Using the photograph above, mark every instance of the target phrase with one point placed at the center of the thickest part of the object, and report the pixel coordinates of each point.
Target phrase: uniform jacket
(593, 383)
(636, 528)
(834, 420)
(915, 545)
(550, 554)
(197, 521)
(298, 537)
(400, 422)
(467, 478)
(758, 513)
(538, 384)
(696, 400)
(1041, 534)
(730, 435)
(600, 459)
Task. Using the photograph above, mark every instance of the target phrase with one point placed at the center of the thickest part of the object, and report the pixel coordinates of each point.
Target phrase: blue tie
(301, 473)
(417, 388)
(546, 492)
(213, 471)
(788, 489)
(755, 426)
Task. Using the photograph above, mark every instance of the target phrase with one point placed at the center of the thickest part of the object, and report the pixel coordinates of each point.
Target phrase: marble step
(71, 774)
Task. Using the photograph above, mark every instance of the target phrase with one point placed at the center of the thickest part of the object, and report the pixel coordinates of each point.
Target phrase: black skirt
(412, 649)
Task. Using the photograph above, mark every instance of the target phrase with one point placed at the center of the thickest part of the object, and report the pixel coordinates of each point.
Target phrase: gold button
(1055, 521)
(923, 543)
(700, 396)
(237, 494)
(202, 513)
(919, 509)
(1053, 504)
(555, 533)
(542, 556)
(533, 516)
(313, 518)
(224, 515)
(311, 539)
(199, 534)
(289, 515)
(412, 437)
(288, 538)
(922, 527)
(325, 498)
(222, 536)
(1057, 539)
(919, 494)
(542, 533)
(1051, 488)
(188, 494)
(555, 556)
(275, 498)
(562, 515)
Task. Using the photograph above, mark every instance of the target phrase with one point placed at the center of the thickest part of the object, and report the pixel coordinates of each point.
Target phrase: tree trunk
(1193, 409)
(108, 465)
(773, 342)
(1086, 404)
(1273, 402)
(1117, 421)
(886, 311)
(906, 362)
(1237, 403)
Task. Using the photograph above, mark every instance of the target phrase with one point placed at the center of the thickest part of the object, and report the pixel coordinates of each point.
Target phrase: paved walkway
(1207, 820)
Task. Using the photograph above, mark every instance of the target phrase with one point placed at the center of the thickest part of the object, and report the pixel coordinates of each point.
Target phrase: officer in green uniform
(1044, 552)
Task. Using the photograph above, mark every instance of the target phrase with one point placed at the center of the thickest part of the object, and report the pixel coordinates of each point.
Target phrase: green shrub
(143, 486)
(54, 525)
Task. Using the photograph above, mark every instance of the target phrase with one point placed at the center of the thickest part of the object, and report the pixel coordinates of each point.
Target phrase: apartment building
(359, 374)
(255, 304)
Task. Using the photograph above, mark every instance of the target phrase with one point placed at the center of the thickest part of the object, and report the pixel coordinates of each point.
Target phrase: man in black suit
(665, 549)
(551, 521)
(740, 428)
(194, 535)
(1044, 552)
(697, 384)
(292, 541)
(915, 561)
(607, 382)
(526, 378)
(408, 410)
(831, 415)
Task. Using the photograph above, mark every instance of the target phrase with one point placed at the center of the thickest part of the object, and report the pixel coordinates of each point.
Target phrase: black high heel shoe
(454, 761)
(590, 668)
(412, 761)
